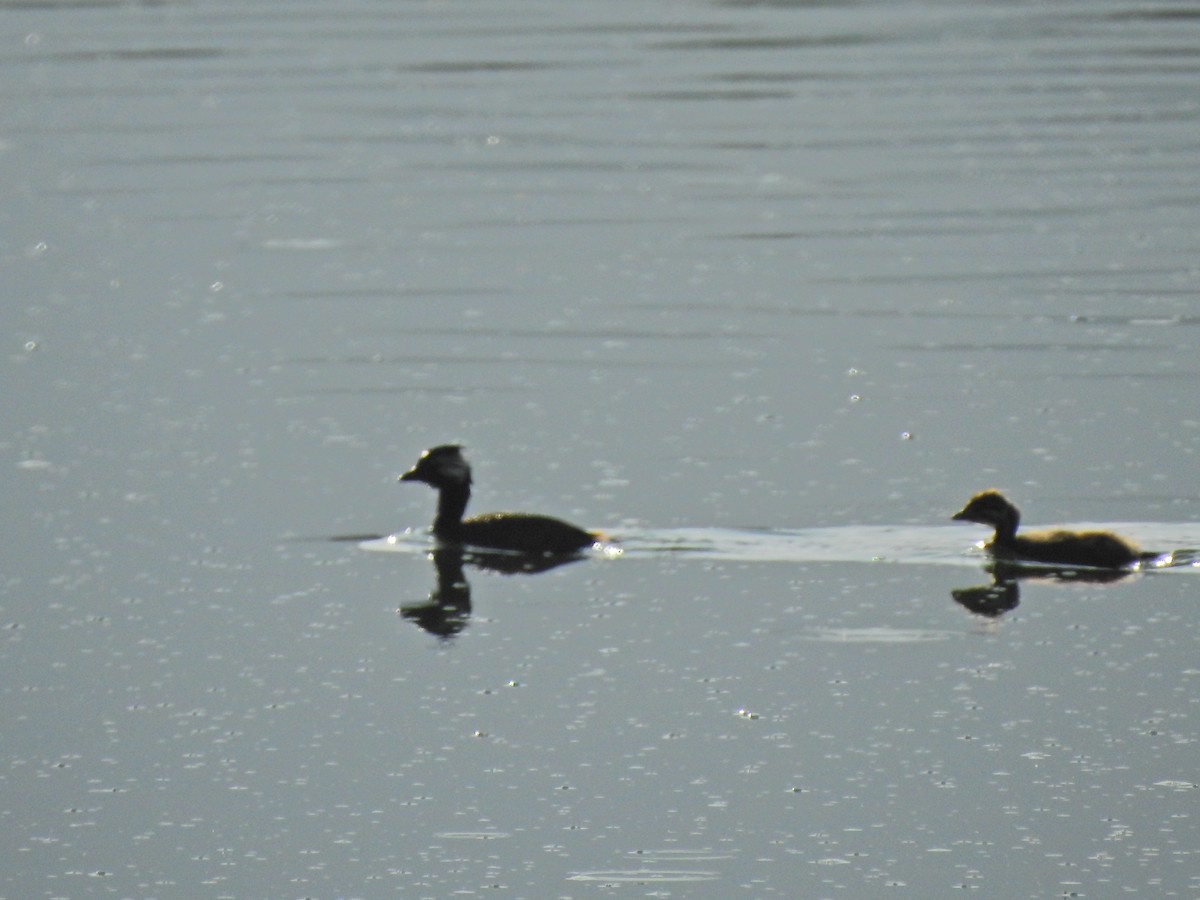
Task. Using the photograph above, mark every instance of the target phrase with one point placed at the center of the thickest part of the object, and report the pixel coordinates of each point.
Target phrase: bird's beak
(410, 475)
(957, 517)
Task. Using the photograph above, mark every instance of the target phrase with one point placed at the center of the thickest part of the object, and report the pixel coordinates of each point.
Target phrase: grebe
(1100, 549)
(445, 470)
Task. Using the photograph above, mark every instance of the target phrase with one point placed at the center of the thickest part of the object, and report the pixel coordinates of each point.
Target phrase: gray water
(763, 290)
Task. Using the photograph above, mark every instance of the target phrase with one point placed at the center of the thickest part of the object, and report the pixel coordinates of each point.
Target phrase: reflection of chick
(446, 471)
(989, 600)
(1100, 549)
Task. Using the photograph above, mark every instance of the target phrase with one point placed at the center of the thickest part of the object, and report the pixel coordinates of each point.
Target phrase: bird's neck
(452, 503)
(1006, 530)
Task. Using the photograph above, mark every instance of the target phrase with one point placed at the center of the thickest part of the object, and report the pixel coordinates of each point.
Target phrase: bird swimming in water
(446, 470)
(1100, 549)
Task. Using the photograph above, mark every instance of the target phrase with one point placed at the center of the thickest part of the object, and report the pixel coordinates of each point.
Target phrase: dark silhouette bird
(446, 470)
(1101, 549)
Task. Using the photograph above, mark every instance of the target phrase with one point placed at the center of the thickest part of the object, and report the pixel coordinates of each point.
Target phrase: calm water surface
(764, 290)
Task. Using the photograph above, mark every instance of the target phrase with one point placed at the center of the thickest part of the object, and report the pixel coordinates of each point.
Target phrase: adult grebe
(445, 470)
(1100, 549)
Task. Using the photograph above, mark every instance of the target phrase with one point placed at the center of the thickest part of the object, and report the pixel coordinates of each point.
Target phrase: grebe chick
(1100, 549)
(446, 471)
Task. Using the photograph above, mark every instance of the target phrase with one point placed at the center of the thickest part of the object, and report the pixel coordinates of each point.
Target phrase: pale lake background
(764, 290)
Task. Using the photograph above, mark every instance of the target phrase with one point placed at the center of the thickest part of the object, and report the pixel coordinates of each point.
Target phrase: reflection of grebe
(1100, 549)
(445, 470)
(448, 609)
